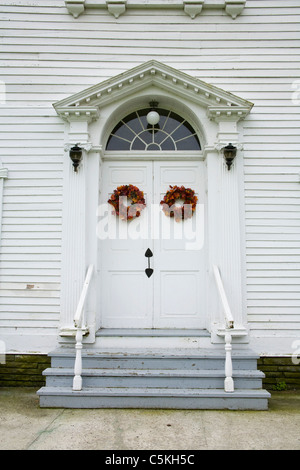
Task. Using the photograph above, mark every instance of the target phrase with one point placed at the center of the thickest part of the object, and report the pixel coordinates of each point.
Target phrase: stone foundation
(281, 373)
(25, 370)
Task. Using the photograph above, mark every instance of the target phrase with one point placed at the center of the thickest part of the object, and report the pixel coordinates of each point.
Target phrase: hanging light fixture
(153, 117)
(76, 156)
(229, 154)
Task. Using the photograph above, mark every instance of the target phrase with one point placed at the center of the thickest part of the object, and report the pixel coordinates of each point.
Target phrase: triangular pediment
(153, 73)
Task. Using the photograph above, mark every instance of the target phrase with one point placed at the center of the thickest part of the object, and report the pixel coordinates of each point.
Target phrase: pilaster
(224, 196)
(73, 242)
(74, 222)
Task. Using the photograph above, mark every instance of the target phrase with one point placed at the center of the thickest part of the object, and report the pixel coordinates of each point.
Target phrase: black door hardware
(149, 271)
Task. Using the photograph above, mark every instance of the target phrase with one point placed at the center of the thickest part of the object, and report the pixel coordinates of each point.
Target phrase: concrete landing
(24, 425)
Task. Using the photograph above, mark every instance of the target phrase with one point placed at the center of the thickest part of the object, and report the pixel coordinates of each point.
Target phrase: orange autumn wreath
(135, 198)
(187, 195)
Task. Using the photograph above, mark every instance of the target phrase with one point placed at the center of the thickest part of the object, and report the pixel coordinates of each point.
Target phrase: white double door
(174, 296)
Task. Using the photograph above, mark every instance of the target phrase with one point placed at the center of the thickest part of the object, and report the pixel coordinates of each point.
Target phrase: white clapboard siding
(47, 55)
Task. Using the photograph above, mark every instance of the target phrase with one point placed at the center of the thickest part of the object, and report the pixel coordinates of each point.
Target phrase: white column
(224, 224)
(74, 231)
(74, 225)
(73, 243)
(230, 237)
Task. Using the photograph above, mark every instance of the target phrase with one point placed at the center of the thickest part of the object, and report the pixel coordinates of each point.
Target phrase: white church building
(184, 115)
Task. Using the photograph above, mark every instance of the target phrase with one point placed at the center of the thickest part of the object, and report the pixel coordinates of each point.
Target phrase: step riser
(155, 363)
(186, 403)
(128, 343)
(153, 382)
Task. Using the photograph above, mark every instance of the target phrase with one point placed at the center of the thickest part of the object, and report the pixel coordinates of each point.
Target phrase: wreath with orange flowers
(186, 211)
(133, 194)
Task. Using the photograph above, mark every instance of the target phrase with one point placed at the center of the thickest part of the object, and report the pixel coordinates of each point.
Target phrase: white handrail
(228, 315)
(228, 382)
(78, 322)
(79, 310)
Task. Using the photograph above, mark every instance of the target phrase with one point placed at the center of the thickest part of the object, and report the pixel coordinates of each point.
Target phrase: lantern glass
(76, 156)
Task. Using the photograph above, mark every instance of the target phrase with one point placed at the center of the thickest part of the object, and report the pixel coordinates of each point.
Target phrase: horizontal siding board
(29, 295)
(146, 38)
(44, 327)
(33, 265)
(30, 279)
(13, 245)
(30, 249)
(30, 272)
(53, 317)
(271, 282)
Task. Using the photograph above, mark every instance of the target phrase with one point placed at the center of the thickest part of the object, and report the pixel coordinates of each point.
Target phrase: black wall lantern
(229, 154)
(76, 156)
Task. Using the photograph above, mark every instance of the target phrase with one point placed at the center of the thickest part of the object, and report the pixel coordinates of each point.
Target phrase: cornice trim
(219, 103)
(80, 113)
(192, 8)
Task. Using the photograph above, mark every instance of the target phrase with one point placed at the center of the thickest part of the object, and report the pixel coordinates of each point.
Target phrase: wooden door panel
(179, 300)
(127, 293)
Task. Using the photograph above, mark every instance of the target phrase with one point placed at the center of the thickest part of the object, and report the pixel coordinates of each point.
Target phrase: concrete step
(166, 398)
(152, 378)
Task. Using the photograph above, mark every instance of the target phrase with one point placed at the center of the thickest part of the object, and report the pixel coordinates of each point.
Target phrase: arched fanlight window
(171, 133)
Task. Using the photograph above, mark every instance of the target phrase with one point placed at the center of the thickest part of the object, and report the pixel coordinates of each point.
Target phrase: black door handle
(149, 254)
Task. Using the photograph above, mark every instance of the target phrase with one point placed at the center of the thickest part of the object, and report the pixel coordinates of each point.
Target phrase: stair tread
(153, 392)
(153, 372)
(123, 332)
(158, 353)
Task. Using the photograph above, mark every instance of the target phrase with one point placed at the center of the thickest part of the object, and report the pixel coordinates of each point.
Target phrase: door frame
(217, 116)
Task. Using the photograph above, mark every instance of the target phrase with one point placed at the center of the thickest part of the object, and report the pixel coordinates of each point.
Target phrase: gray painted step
(152, 378)
(153, 398)
(160, 378)
(203, 359)
(134, 332)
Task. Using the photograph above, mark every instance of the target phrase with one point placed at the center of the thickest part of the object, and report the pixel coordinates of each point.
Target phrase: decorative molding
(234, 8)
(75, 7)
(82, 113)
(116, 7)
(234, 113)
(192, 8)
(220, 104)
